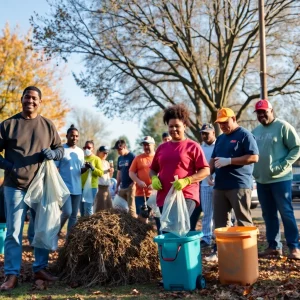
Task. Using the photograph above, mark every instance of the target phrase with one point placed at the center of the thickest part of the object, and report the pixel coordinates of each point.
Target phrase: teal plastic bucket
(2, 236)
(180, 261)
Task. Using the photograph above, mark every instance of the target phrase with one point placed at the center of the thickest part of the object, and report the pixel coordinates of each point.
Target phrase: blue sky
(18, 12)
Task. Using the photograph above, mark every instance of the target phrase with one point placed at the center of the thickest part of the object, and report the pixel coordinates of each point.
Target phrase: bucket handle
(169, 259)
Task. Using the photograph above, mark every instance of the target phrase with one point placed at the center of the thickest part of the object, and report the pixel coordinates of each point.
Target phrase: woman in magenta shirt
(180, 156)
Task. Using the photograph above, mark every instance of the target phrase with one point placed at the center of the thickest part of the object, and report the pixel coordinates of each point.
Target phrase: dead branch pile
(109, 248)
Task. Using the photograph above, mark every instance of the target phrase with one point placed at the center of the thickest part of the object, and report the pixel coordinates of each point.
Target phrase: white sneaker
(212, 258)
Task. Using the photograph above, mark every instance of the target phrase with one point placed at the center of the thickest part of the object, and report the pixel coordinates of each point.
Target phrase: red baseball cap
(262, 105)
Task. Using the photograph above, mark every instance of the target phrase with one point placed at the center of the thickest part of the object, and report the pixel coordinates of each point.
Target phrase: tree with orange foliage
(20, 67)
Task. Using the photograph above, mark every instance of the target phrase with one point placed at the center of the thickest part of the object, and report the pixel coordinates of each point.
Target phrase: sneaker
(294, 254)
(270, 252)
(203, 244)
(212, 258)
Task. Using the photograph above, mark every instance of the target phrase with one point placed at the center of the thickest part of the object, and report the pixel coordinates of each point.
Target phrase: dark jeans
(274, 197)
(195, 217)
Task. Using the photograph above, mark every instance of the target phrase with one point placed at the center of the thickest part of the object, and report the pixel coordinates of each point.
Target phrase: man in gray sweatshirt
(28, 139)
(279, 148)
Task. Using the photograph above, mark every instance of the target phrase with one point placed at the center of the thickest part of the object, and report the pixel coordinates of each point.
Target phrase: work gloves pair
(178, 184)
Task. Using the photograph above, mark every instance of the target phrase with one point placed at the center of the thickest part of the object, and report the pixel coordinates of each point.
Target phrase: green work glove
(180, 184)
(156, 184)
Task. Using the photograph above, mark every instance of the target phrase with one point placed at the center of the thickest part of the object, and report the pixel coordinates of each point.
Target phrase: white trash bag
(120, 203)
(152, 203)
(46, 194)
(175, 216)
(87, 192)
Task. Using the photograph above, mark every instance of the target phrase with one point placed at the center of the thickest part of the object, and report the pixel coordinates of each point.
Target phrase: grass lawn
(278, 279)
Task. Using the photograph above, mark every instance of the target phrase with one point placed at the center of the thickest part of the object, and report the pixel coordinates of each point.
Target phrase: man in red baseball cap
(263, 105)
(279, 148)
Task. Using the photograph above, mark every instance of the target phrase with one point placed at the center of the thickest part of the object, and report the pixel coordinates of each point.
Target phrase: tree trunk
(213, 119)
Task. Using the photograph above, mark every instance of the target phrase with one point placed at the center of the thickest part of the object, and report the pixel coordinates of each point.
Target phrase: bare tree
(143, 54)
(90, 127)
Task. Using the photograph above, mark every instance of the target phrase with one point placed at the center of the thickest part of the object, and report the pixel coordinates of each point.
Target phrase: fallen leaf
(225, 295)
(292, 294)
(40, 285)
(247, 290)
(96, 293)
(78, 297)
(135, 292)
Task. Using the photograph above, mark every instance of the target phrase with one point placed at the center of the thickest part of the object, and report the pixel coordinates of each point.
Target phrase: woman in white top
(103, 197)
(70, 168)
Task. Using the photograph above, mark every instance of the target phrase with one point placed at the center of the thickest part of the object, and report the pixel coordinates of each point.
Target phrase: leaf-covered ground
(278, 279)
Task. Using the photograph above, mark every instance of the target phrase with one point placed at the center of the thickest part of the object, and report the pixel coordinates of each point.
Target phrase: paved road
(257, 214)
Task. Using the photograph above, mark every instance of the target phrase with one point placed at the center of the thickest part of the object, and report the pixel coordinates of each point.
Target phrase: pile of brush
(109, 248)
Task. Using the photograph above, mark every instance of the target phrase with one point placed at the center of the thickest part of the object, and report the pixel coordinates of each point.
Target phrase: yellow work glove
(156, 184)
(180, 184)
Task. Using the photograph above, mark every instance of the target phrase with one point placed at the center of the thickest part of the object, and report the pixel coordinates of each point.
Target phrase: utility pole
(262, 46)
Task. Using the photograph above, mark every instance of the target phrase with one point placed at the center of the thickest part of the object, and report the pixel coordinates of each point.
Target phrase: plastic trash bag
(120, 203)
(46, 194)
(87, 192)
(152, 203)
(175, 216)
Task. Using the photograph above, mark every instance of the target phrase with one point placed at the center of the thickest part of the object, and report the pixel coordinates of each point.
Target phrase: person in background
(232, 161)
(180, 156)
(93, 164)
(139, 173)
(206, 189)
(166, 137)
(103, 197)
(70, 168)
(124, 182)
(27, 138)
(113, 187)
(279, 147)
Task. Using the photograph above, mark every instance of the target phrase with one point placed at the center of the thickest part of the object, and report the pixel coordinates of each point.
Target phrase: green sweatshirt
(279, 148)
(98, 172)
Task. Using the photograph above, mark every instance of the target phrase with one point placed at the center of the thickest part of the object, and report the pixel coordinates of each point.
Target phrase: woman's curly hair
(178, 111)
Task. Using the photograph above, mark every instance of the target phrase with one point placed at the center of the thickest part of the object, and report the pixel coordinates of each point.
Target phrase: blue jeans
(16, 210)
(206, 205)
(30, 230)
(86, 209)
(139, 201)
(70, 211)
(274, 197)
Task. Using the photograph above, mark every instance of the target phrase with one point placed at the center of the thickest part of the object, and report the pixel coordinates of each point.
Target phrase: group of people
(217, 174)
(235, 157)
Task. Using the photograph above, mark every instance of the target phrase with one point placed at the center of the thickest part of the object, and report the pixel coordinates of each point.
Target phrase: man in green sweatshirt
(279, 148)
